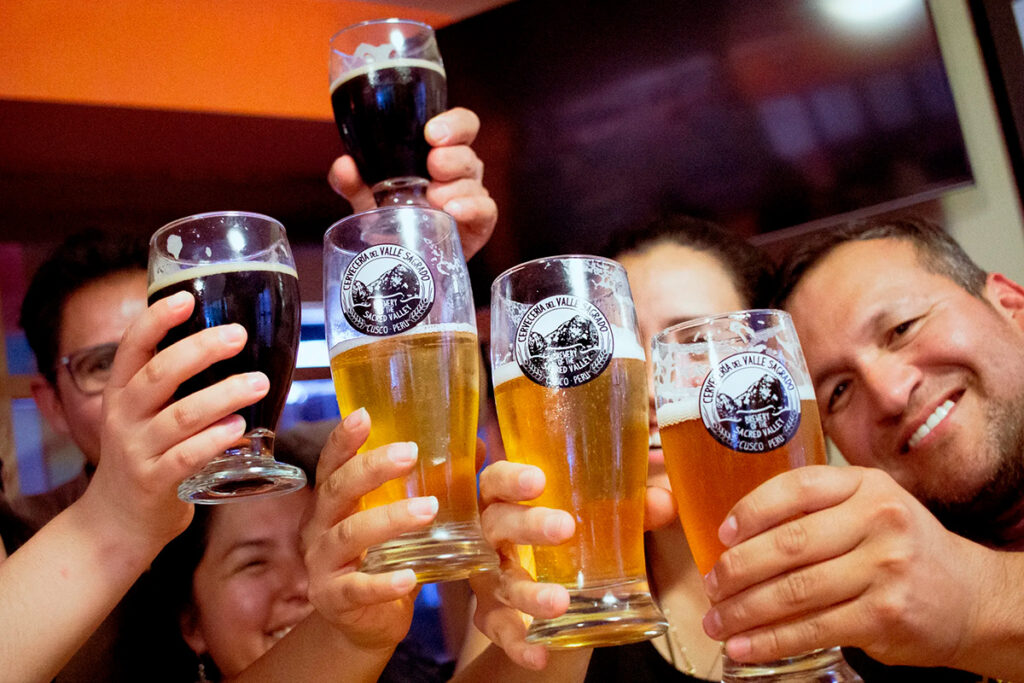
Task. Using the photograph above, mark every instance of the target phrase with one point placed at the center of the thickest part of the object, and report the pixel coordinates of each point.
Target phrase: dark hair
(751, 271)
(81, 259)
(937, 252)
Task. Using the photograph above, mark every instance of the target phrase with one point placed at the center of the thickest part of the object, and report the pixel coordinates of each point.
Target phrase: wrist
(118, 539)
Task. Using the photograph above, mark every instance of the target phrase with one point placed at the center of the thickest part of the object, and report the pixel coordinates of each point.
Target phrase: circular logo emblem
(750, 403)
(563, 341)
(386, 289)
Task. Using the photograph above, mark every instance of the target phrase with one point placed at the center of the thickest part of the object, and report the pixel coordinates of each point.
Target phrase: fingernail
(235, 425)
(403, 579)
(422, 507)
(356, 419)
(438, 131)
(546, 597)
(711, 583)
(178, 301)
(258, 381)
(531, 479)
(403, 453)
(230, 334)
(738, 647)
(453, 207)
(533, 657)
(712, 623)
(557, 527)
(728, 531)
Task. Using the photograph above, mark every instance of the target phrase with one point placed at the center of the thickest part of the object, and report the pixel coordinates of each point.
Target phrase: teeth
(655, 440)
(933, 420)
(281, 632)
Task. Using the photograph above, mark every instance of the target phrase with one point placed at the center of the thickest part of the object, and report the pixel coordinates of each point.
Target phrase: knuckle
(795, 589)
(730, 564)
(791, 539)
(155, 370)
(893, 515)
(889, 609)
(185, 415)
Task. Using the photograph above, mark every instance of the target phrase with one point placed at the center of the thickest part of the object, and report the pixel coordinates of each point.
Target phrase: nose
(890, 382)
(295, 579)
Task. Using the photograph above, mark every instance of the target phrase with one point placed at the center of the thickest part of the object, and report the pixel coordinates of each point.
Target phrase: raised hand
(374, 611)
(456, 174)
(148, 445)
(824, 556)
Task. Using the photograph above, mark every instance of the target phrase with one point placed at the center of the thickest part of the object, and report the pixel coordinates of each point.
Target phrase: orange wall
(263, 57)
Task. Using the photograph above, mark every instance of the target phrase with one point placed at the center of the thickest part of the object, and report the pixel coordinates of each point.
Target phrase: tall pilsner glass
(735, 408)
(570, 388)
(402, 330)
(240, 269)
(387, 81)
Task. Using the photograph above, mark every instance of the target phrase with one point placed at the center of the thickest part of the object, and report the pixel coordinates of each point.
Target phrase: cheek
(234, 623)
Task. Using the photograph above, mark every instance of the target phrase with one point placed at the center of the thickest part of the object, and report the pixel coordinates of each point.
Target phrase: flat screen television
(759, 115)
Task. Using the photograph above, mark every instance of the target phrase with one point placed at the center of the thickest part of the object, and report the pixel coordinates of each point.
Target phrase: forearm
(57, 588)
(492, 666)
(316, 651)
(993, 647)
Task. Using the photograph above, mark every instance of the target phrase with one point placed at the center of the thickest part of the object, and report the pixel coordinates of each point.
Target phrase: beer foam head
(170, 277)
(678, 411)
(386, 64)
(626, 347)
(361, 340)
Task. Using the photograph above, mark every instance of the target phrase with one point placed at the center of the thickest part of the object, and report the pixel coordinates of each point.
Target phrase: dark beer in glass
(239, 268)
(387, 81)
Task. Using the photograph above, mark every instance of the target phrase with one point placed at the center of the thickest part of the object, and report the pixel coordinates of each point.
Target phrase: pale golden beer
(398, 308)
(594, 460)
(708, 478)
(430, 396)
(570, 389)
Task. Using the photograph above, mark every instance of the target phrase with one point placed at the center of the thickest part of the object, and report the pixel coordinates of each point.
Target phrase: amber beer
(708, 478)
(591, 443)
(421, 387)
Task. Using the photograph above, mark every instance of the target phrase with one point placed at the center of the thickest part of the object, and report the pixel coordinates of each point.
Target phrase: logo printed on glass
(750, 403)
(385, 290)
(563, 341)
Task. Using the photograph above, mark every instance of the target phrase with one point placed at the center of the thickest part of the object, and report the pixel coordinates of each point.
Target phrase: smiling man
(917, 359)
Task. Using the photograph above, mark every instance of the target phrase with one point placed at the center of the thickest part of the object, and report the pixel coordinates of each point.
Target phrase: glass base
(820, 666)
(404, 191)
(614, 614)
(442, 552)
(240, 476)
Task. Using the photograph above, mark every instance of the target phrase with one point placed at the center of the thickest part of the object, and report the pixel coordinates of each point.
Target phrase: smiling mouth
(281, 633)
(654, 441)
(931, 423)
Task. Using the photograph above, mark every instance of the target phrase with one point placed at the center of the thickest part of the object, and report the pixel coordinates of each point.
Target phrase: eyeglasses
(90, 367)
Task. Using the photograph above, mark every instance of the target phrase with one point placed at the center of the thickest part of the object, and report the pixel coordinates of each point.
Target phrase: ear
(48, 402)
(1007, 296)
(190, 631)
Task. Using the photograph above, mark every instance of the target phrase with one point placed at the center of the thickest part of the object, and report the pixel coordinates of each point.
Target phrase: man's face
(671, 284)
(916, 376)
(95, 314)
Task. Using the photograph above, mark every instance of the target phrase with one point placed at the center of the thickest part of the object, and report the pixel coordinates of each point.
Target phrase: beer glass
(570, 388)
(736, 407)
(387, 81)
(402, 330)
(239, 268)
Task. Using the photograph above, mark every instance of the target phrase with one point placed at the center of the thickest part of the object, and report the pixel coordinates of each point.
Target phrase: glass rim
(374, 22)
(212, 214)
(706, 319)
(353, 217)
(561, 257)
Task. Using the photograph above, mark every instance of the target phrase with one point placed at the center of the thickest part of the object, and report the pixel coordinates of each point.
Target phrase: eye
(835, 398)
(903, 328)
